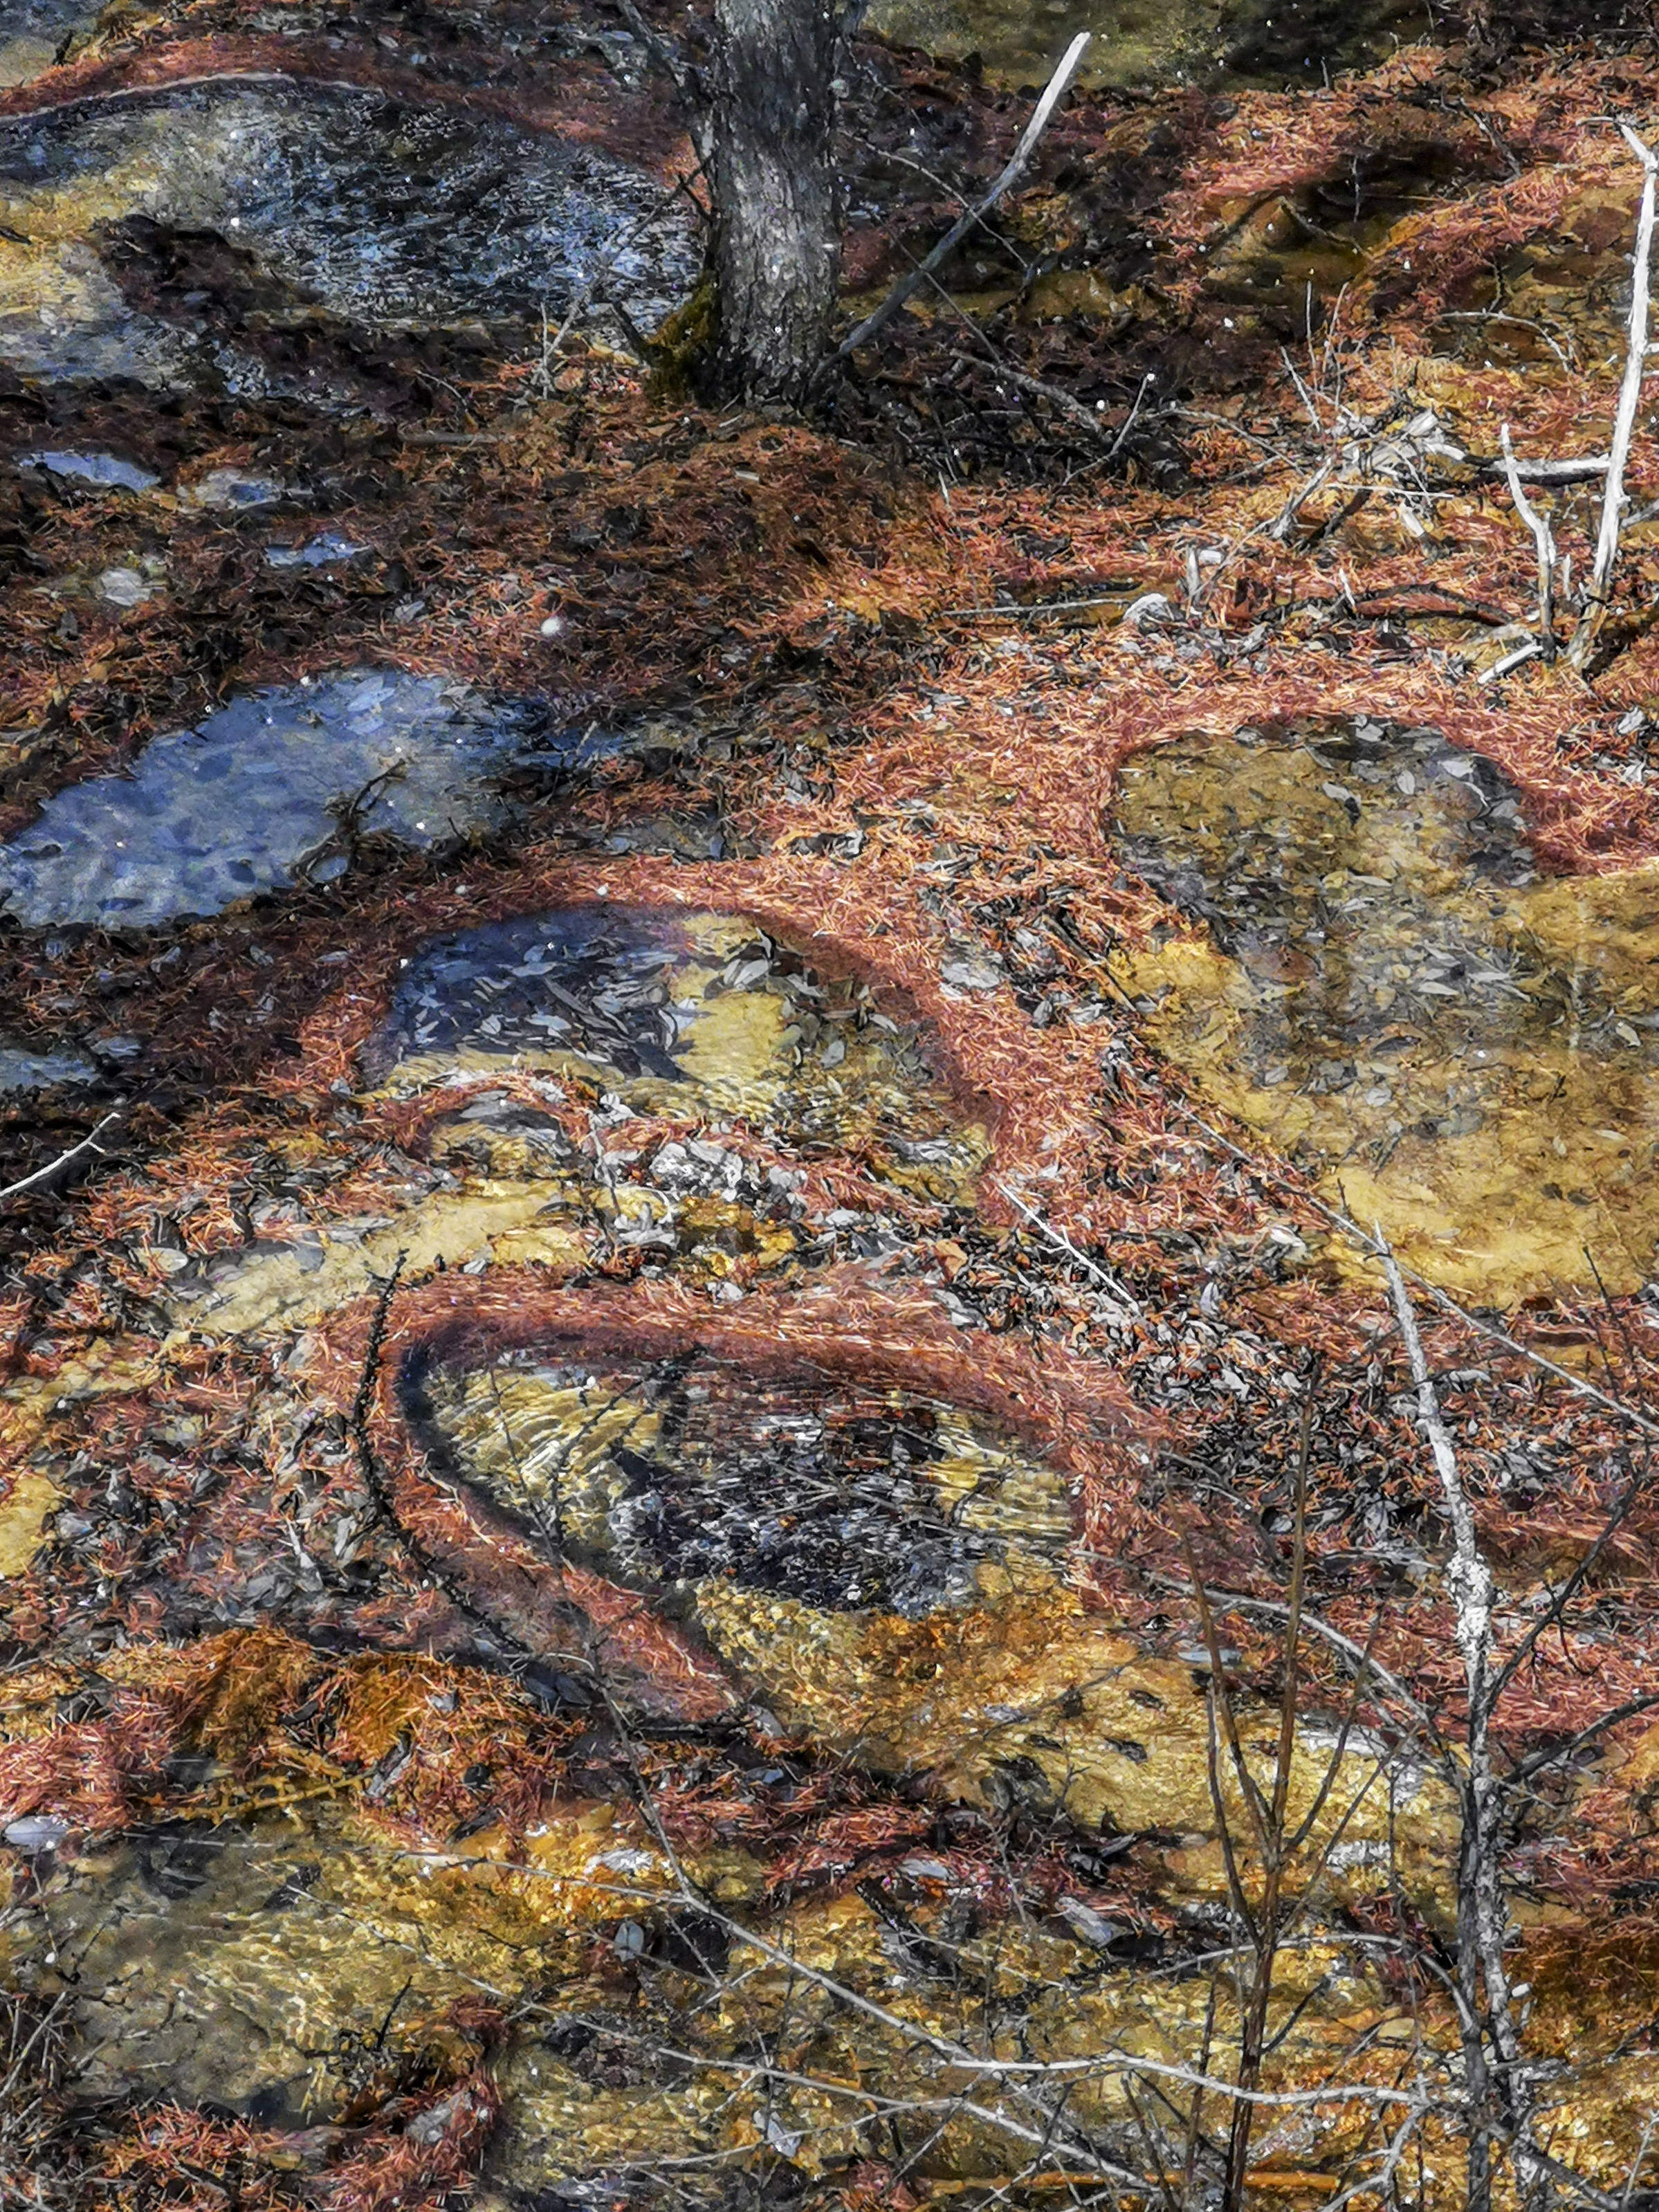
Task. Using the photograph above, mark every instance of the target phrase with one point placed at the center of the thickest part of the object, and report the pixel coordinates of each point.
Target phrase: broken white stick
(1530, 651)
(909, 286)
(1624, 423)
(1544, 539)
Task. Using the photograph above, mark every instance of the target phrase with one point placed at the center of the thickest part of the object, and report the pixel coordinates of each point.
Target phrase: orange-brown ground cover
(858, 633)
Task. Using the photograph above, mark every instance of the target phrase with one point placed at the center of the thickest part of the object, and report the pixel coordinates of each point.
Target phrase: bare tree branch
(88, 1144)
(1498, 2088)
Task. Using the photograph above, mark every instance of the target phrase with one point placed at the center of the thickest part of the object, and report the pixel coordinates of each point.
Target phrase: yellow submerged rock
(1387, 989)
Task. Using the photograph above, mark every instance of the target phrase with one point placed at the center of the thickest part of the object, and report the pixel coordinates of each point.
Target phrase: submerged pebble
(127, 587)
(233, 488)
(23, 1069)
(258, 795)
(319, 553)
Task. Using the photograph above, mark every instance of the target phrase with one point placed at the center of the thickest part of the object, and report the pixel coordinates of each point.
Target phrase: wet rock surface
(24, 1067)
(1391, 987)
(275, 1968)
(99, 470)
(306, 203)
(272, 788)
(669, 1476)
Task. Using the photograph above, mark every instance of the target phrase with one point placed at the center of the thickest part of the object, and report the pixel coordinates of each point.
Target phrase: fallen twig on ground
(1539, 524)
(88, 1144)
(1063, 1243)
(1073, 409)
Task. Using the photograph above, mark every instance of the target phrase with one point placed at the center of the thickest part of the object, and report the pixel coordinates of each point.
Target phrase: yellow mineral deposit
(990, 1676)
(949, 1815)
(25, 1506)
(1375, 978)
(283, 1291)
(752, 1047)
(858, 1084)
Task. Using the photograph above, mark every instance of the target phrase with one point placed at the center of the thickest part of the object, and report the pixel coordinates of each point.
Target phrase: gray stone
(93, 469)
(243, 804)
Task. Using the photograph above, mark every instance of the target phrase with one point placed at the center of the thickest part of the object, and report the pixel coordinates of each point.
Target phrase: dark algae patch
(686, 1473)
(681, 1013)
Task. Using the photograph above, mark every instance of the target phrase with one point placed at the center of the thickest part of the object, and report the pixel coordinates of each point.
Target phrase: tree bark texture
(776, 251)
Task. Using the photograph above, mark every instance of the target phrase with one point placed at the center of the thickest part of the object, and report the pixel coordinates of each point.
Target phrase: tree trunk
(775, 257)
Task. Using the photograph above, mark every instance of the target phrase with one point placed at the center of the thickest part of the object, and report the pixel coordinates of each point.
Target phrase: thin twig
(1530, 651)
(1063, 1243)
(1590, 468)
(1298, 499)
(1543, 538)
(1016, 611)
(65, 1159)
(1491, 2041)
(1073, 409)
(1129, 424)
(908, 286)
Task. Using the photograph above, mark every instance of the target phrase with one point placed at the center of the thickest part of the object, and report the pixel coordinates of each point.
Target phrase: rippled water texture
(1135, 40)
(274, 787)
(681, 1013)
(671, 1477)
(1388, 988)
(877, 1570)
(350, 204)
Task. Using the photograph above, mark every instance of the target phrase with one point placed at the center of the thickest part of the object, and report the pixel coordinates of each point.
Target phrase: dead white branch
(908, 286)
(1062, 1243)
(1468, 1576)
(1299, 498)
(1498, 2085)
(1530, 651)
(88, 1144)
(1543, 538)
(1624, 423)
